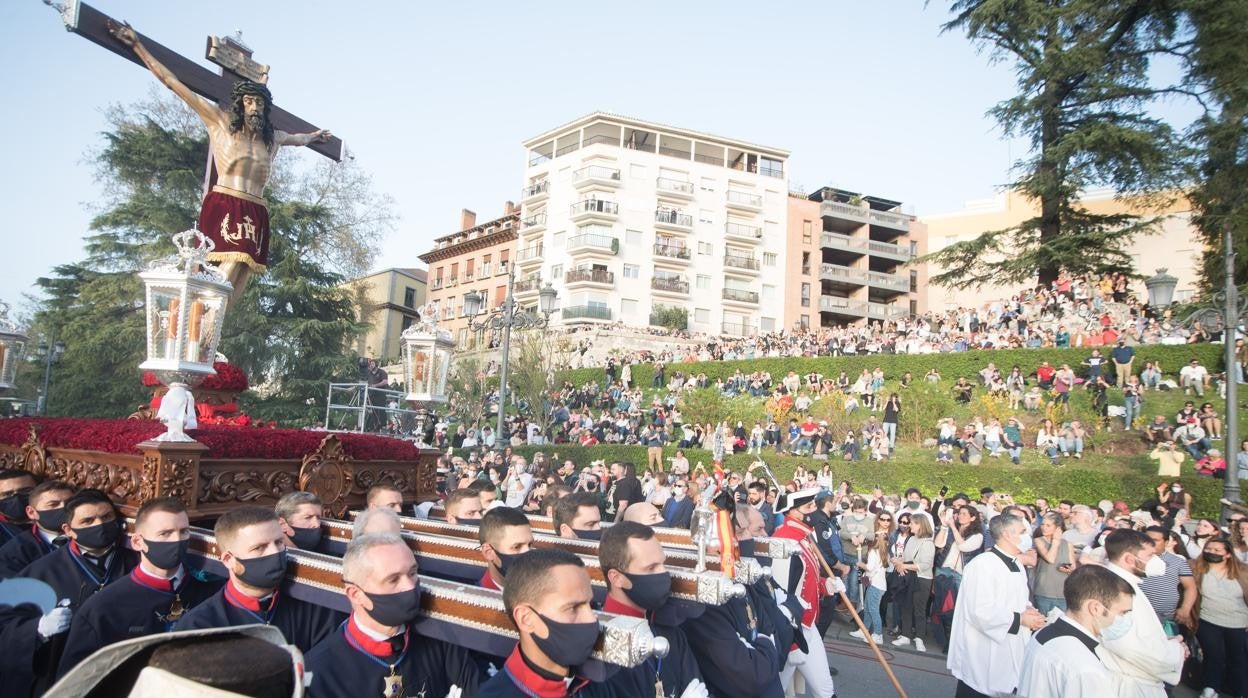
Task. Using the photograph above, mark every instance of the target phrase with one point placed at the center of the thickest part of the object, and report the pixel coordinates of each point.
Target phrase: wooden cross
(89, 23)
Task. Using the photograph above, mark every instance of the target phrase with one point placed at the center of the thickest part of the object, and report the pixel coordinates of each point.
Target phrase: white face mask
(1024, 542)
(1118, 629)
(1155, 567)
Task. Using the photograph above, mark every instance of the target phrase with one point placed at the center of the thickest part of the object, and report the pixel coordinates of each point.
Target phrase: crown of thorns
(249, 87)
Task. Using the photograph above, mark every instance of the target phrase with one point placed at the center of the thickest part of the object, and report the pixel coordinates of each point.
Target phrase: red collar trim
(533, 683)
(487, 582)
(620, 609)
(377, 648)
(799, 525)
(147, 580)
(238, 599)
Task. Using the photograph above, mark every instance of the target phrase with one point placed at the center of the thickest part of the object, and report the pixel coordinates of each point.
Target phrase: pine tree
(1082, 70)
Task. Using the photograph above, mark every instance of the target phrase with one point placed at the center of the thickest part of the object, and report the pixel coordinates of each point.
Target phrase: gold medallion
(658, 688)
(393, 685)
(176, 610)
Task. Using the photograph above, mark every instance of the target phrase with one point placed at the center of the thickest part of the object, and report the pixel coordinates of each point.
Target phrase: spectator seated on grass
(1158, 430)
(1034, 399)
(1212, 464)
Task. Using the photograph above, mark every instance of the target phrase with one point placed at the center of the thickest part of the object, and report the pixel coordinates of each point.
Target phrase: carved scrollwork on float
(328, 473)
(119, 481)
(244, 486)
(366, 477)
(34, 457)
(172, 478)
(426, 478)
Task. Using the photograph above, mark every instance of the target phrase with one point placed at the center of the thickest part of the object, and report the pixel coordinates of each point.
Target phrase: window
(502, 261)
(708, 184)
(631, 271)
(703, 282)
(704, 248)
(914, 248)
(407, 321)
(485, 266)
(807, 233)
(769, 259)
(468, 269)
(914, 308)
(701, 315)
(914, 281)
(409, 299)
(805, 295)
(768, 324)
(463, 337)
(500, 294)
(628, 307)
(805, 262)
(705, 216)
(437, 276)
(804, 321)
(632, 237)
(556, 271)
(455, 271)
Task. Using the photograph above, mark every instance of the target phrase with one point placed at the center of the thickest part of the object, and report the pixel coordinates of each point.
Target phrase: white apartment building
(629, 219)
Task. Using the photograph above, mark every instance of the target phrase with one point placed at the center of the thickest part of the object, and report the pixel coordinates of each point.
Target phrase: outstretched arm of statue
(206, 109)
(320, 136)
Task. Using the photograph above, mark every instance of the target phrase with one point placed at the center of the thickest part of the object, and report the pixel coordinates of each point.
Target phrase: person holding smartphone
(1055, 560)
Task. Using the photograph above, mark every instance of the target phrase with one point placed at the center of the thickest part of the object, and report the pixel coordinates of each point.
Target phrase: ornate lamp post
(1227, 313)
(185, 309)
(12, 344)
(426, 362)
(50, 356)
(504, 318)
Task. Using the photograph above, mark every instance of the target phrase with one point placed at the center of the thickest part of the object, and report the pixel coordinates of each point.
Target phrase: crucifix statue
(245, 132)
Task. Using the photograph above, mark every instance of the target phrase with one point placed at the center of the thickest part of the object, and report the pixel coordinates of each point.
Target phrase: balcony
(530, 255)
(535, 192)
(896, 221)
(843, 276)
(900, 253)
(884, 311)
(586, 312)
(734, 329)
(527, 287)
(888, 282)
(744, 233)
(534, 223)
(595, 210)
(592, 243)
(845, 243)
(740, 296)
(674, 188)
(666, 252)
(841, 217)
(435, 284)
(739, 263)
(842, 306)
(669, 285)
(596, 175)
(744, 201)
(668, 219)
(590, 277)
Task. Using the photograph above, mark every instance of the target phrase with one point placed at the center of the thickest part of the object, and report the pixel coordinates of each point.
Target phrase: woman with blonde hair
(1222, 613)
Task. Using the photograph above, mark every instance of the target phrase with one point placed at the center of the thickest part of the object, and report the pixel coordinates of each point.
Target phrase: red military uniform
(804, 581)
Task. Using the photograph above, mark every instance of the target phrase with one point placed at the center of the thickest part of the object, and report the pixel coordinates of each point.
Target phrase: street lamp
(1225, 312)
(504, 318)
(12, 343)
(426, 362)
(50, 356)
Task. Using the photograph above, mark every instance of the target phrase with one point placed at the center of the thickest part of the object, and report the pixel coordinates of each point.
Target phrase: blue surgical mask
(1118, 629)
(1024, 543)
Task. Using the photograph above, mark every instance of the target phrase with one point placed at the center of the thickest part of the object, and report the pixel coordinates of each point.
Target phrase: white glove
(455, 692)
(834, 585)
(695, 689)
(56, 621)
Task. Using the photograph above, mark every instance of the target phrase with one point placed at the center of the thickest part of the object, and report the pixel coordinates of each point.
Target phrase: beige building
(1176, 246)
(476, 258)
(387, 300)
(847, 260)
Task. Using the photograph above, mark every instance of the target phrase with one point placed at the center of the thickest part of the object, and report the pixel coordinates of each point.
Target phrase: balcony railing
(589, 206)
(745, 199)
(884, 311)
(674, 186)
(533, 221)
(596, 172)
(606, 140)
(673, 251)
(740, 262)
(677, 218)
(889, 249)
(528, 285)
(740, 295)
(529, 253)
(604, 242)
(437, 284)
(674, 152)
(593, 312)
(843, 210)
(892, 220)
(597, 276)
(837, 241)
(843, 306)
(741, 230)
(771, 172)
(534, 189)
(738, 329)
(889, 281)
(675, 284)
(567, 149)
(836, 272)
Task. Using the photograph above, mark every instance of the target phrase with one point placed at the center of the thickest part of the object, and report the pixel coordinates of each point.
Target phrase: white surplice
(1143, 659)
(987, 640)
(1061, 662)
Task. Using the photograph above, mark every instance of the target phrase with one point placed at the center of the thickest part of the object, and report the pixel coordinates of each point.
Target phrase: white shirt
(1144, 658)
(987, 640)
(1061, 662)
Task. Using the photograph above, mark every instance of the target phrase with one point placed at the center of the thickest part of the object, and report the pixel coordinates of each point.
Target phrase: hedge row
(950, 365)
(1083, 485)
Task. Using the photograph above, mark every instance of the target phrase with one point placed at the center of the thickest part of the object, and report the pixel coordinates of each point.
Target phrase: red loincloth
(238, 226)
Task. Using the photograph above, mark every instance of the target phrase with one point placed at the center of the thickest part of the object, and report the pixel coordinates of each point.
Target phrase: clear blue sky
(434, 98)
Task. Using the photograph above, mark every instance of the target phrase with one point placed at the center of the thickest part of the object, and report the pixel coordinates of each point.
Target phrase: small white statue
(177, 412)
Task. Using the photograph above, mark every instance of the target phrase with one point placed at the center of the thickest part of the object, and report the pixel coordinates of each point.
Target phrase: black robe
(128, 609)
(10, 530)
(517, 672)
(429, 668)
(19, 552)
(736, 661)
(677, 670)
(302, 624)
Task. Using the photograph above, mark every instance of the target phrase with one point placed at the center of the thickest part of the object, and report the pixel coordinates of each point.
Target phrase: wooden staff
(845, 599)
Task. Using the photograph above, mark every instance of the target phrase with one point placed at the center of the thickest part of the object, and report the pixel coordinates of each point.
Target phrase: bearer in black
(15, 488)
(253, 549)
(375, 652)
(47, 511)
(153, 596)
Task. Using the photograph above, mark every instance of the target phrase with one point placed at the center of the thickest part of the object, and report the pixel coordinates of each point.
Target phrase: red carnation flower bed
(223, 441)
(229, 379)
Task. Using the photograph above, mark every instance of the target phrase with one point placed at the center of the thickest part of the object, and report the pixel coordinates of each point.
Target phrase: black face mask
(395, 609)
(649, 591)
(306, 538)
(14, 506)
(468, 522)
(167, 554)
(505, 560)
(569, 644)
(98, 536)
(588, 533)
(1212, 558)
(265, 572)
(51, 520)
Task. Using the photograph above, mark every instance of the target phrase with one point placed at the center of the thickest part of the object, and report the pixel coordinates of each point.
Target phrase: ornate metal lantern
(186, 302)
(1160, 289)
(426, 359)
(12, 344)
